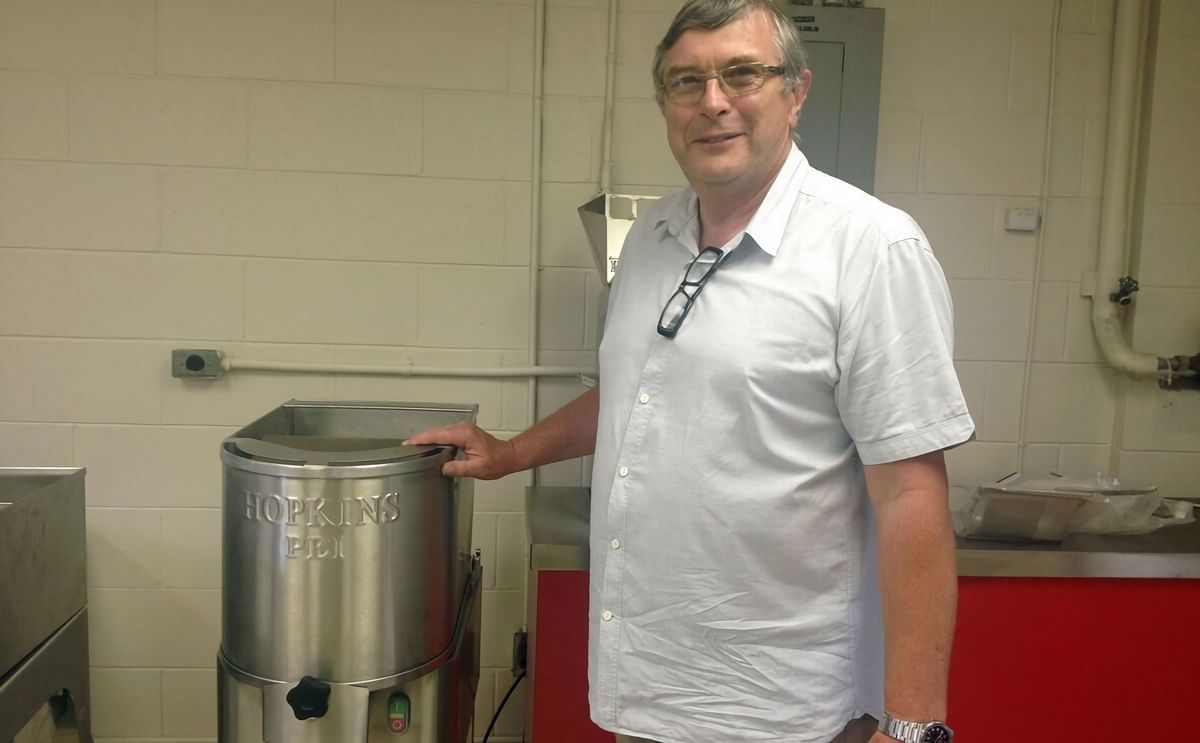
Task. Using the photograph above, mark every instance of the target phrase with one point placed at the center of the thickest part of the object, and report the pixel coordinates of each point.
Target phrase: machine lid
(328, 450)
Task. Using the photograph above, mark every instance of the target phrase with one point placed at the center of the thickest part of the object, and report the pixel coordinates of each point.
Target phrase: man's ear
(798, 94)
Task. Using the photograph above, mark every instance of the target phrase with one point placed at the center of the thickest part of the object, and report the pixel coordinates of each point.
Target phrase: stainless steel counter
(557, 520)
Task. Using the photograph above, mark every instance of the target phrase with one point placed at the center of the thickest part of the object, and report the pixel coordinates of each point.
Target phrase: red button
(398, 725)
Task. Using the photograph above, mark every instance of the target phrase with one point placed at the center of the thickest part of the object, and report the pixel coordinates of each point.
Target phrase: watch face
(936, 733)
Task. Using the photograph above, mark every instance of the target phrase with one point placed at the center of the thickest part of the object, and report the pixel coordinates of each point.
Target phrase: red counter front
(1036, 660)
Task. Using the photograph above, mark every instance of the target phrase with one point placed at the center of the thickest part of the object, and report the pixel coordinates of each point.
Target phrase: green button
(398, 705)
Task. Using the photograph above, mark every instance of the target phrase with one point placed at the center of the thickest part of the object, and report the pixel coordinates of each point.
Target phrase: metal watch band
(906, 731)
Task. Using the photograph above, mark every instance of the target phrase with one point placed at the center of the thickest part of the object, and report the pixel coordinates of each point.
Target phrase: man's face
(731, 143)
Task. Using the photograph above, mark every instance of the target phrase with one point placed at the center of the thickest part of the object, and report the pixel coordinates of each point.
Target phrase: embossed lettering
(369, 510)
(272, 508)
(391, 506)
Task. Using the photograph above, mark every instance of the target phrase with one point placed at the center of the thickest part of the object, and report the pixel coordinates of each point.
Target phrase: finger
(464, 468)
(441, 435)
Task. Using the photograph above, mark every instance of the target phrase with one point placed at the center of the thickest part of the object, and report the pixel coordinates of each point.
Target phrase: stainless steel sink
(43, 596)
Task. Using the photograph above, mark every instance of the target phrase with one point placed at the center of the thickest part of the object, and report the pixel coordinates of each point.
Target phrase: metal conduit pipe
(409, 370)
(1118, 175)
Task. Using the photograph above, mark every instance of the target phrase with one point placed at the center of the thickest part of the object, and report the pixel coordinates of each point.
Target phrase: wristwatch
(915, 732)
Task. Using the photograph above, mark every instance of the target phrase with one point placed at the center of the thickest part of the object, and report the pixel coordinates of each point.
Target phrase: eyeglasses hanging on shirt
(699, 271)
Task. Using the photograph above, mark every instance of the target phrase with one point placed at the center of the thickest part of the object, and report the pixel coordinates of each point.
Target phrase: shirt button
(607, 616)
(643, 398)
(623, 472)
(616, 544)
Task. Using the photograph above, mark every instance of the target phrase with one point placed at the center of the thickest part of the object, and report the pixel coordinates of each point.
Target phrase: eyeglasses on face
(698, 272)
(740, 79)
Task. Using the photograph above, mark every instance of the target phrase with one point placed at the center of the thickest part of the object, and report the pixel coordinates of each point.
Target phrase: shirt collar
(682, 218)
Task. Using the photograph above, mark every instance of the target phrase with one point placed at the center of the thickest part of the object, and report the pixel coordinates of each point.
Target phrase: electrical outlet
(520, 652)
(196, 362)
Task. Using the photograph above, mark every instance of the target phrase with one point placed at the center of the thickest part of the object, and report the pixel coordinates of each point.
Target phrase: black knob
(309, 698)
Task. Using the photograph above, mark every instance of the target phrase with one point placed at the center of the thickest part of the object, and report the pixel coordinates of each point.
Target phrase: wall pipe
(535, 209)
(407, 370)
(1115, 195)
(610, 76)
(1039, 249)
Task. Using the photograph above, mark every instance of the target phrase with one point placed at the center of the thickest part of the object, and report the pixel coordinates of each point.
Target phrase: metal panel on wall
(839, 125)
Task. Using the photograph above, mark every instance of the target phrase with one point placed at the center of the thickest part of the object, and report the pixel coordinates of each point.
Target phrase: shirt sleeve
(897, 392)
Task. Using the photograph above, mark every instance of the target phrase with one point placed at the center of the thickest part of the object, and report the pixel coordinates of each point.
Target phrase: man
(776, 390)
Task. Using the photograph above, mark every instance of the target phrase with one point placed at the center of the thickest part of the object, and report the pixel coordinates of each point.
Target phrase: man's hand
(487, 457)
(879, 737)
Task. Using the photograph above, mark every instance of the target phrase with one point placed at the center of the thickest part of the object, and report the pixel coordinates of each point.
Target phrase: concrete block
(1029, 71)
(79, 380)
(249, 213)
(330, 302)
(79, 206)
(1014, 254)
(1167, 321)
(477, 135)
(960, 229)
(1071, 237)
(991, 319)
(431, 220)
(36, 445)
(1169, 256)
(1173, 472)
(1068, 146)
(474, 307)
(124, 547)
(120, 476)
(1009, 163)
(1173, 174)
(1180, 17)
(33, 115)
(114, 295)
(334, 129)
(572, 132)
(503, 614)
(562, 308)
(1083, 75)
(640, 141)
(189, 704)
(576, 46)
(268, 39)
(972, 377)
(897, 157)
(1071, 403)
(126, 702)
(564, 243)
(512, 551)
(158, 121)
(132, 628)
(1002, 409)
(116, 36)
(446, 45)
(1050, 330)
(976, 15)
(192, 558)
(638, 34)
(1160, 420)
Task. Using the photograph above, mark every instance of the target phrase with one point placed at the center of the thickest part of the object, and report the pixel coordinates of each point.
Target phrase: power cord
(500, 709)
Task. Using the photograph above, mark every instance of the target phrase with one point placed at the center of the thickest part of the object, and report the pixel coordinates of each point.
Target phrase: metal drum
(350, 593)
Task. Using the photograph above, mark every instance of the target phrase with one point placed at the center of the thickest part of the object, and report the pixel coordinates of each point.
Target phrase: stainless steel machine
(350, 593)
(43, 609)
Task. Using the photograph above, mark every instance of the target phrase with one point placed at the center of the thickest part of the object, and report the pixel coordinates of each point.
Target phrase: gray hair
(713, 14)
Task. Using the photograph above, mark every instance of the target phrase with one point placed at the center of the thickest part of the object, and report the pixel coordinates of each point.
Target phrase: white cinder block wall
(349, 181)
